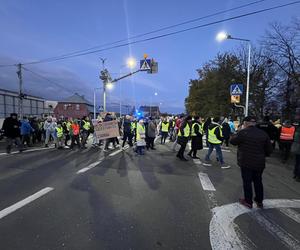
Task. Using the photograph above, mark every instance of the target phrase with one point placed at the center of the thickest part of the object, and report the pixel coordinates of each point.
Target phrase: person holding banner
(140, 137)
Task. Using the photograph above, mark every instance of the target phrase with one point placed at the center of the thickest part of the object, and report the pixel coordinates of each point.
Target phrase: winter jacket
(151, 129)
(270, 129)
(127, 126)
(226, 130)
(11, 127)
(253, 146)
(51, 126)
(26, 128)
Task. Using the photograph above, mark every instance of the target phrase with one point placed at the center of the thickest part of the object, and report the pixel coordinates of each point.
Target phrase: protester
(253, 146)
(184, 134)
(127, 133)
(287, 132)
(140, 137)
(11, 127)
(86, 130)
(196, 135)
(164, 129)
(176, 130)
(74, 133)
(215, 140)
(151, 129)
(26, 130)
(205, 129)
(50, 130)
(226, 132)
(59, 135)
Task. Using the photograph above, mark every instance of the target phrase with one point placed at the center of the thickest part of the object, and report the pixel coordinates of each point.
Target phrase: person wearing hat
(253, 147)
(215, 140)
(11, 127)
(184, 134)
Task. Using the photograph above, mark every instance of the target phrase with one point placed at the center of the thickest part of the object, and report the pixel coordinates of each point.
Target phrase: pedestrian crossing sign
(145, 64)
(236, 89)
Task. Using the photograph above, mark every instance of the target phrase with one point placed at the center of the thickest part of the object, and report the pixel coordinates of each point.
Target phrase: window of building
(77, 107)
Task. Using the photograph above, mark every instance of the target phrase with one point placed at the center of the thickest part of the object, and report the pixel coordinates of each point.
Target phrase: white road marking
(223, 150)
(277, 231)
(205, 182)
(89, 166)
(24, 202)
(222, 227)
(26, 150)
(168, 140)
(116, 152)
(291, 213)
(197, 161)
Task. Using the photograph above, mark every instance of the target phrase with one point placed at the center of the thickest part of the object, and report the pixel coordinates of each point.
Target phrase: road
(90, 199)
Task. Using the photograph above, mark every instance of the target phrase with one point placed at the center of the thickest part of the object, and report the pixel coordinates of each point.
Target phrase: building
(9, 103)
(75, 106)
(150, 111)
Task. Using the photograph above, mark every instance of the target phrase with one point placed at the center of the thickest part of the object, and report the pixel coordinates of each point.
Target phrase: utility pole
(21, 95)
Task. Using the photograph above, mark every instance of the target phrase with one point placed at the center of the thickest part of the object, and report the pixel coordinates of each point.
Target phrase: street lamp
(95, 101)
(155, 94)
(224, 36)
(131, 62)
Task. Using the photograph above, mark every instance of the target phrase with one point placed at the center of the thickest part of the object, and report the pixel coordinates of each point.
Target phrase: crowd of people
(255, 140)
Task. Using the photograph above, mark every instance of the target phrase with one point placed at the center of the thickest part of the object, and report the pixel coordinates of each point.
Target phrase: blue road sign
(145, 64)
(236, 89)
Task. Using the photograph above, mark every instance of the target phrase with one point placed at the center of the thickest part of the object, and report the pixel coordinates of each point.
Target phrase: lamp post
(224, 36)
(155, 94)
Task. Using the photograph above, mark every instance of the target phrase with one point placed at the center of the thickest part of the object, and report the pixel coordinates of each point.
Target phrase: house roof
(76, 98)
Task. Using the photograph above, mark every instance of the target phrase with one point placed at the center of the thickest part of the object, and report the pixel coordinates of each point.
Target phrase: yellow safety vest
(140, 129)
(133, 126)
(69, 124)
(165, 127)
(186, 131)
(212, 138)
(86, 125)
(200, 129)
(59, 132)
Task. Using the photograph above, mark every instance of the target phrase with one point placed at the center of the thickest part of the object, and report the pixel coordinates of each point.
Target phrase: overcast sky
(33, 29)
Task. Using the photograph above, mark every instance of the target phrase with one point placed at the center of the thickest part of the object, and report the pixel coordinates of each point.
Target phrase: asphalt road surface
(90, 199)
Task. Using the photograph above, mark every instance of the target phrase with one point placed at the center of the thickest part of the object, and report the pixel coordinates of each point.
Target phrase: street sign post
(236, 89)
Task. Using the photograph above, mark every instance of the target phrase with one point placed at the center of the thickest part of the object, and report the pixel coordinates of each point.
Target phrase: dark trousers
(193, 152)
(226, 141)
(180, 153)
(285, 149)
(26, 138)
(255, 176)
(150, 142)
(127, 136)
(164, 136)
(297, 166)
(85, 136)
(75, 138)
(67, 138)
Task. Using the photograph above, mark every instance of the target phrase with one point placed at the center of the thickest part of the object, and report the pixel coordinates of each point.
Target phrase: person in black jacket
(184, 136)
(127, 135)
(11, 127)
(226, 132)
(253, 146)
(196, 135)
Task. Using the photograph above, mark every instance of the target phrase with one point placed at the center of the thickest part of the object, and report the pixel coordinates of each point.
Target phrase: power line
(171, 33)
(50, 81)
(153, 31)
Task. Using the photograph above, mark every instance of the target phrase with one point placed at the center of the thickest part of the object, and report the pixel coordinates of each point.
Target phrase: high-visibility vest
(287, 134)
(75, 129)
(133, 126)
(86, 125)
(140, 130)
(165, 127)
(212, 138)
(59, 132)
(173, 124)
(193, 129)
(186, 131)
(69, 124)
